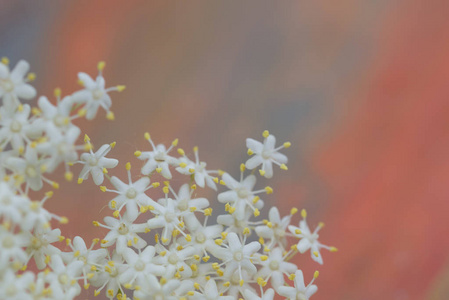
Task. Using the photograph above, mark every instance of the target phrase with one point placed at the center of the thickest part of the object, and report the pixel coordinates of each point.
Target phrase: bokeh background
(360, 88)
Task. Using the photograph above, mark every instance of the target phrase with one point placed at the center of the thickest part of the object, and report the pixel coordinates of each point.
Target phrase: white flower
(268, 295)
(11, 205)
(202, 237)
(210, 292)
(15, 286)
(309, 240)
(198, 169)
(275, 229)
(237, 256)
(241, 195)
(108, 276)
(266, 154)
(13, 86)
(31, 167)
(158, 159)
(140, 266)
(40, 245)
(123, 233)
(16, 128)
(300, 291)
(172, 289)
(57, 116)
(94, 93)
(174, 259)
(274, 267)
(12, 247)
(96, 164)
(132, 194)
(64, 278)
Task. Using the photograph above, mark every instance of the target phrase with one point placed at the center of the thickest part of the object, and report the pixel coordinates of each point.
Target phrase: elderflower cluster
(162, 240)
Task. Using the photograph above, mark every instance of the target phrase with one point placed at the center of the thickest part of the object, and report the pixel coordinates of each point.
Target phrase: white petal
(25, 91)
(20, 71)
(254, 162)
(254, 145)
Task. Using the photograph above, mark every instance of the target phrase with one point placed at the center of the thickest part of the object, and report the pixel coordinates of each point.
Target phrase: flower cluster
(163, 239)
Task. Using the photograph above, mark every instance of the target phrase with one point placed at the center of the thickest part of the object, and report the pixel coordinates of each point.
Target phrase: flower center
(63, 279)
(92, 161)
(131, 193)
(238, 255)
(274, 265)
(8, 242)
(36, 243)
(31, 171)
(159, 157)
(169, 217)
(97, 94)
(279, 232)
(15, 126)
(63, 148)
(60, 121)
(266, 154)
(183, 205)
(113, 272)
(6, 200)
(11, 290)
(7, 85)
(200, 238)
(173, 258)
(122, 229)
(301, 296)
(242, 193)
(139, 265)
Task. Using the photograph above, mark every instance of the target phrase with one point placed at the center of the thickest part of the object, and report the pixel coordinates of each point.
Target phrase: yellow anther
(222, 182)
(128, 166)
(260, 281)
(47, 259)
(116, 213)
(231, 209)
(150, 207)
(43, 168)
(194, 267)
(96, 223)
(287, 144)
(321, 224)
(190, 293)
(183, 165)
(224, 235)
(191, 170)
(304, 213)
(20, 107)
(88, 147)
(297, 231)
(68, 176)
(263, 257)
(129, 243)
(316, 253)
(255, 199)
(227, 284)
(266, 249)
(192, 209)
(206, 258)
(215, 179)
(163, 253)
(256, 212)
(55, 185)
(81, 113)
(242, 167)
(165, 189)
(57, 92)
(35, 111)
(291, 276)
(93, 268)
(241, 282)
(284, 167)
(146, 135)
(80, 82)
(64, 220)
(293, 211)
(220, 172)
(218, 242)
(197, 257)
(31, 76)
(220, 272)
(143, 209)
(105, 171)
(269, 190)
(156, 184)
(261, 241)
(166, 183)
(121, 88)
(208, 211)
(80, 180)
(101, 65)
(333, 249)
(262, 172)
(137, 153)
(21, 150)
(266, 133)
(175, 142)
(61, 238)
(158, 170)
(68, 241)
(246, 230)
(316, 274)
(181, 152)
(164, 240)
(128, 286)
(147, 230)
(86, 286)
(5, 60)
(76, 253)
(250, 152)
(294, 247)
(269, 224)
(113, 144)
(49, 194)
(86, 138)
(95, 241)
(193, 186)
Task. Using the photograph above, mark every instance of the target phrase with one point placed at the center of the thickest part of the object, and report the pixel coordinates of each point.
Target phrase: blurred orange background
(360, 88)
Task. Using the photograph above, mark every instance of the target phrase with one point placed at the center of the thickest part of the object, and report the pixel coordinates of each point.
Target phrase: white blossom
(13, 85)
(300, 291)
